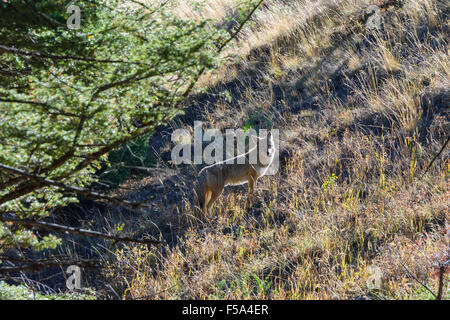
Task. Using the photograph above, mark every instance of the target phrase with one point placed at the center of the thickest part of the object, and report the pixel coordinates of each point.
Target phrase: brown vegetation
(361, 114)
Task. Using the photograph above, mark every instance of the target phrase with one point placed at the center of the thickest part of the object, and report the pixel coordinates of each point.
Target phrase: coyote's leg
(214, 197)
(208, 195)
(251, 187)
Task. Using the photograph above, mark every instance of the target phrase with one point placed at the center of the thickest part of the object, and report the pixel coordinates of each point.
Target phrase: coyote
(212, 179)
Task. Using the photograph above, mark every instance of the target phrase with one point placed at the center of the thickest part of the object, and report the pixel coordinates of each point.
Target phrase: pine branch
(43, 55)
(89, 158)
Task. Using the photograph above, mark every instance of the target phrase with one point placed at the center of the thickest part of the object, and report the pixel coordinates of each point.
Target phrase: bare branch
(412, 275)
(436, 156)
(89, 158)
(85, 192)
(83, 232)
(241, 25)
(46, 263)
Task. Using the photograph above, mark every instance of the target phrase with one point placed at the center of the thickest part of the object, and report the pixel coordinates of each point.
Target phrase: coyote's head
(265, 148)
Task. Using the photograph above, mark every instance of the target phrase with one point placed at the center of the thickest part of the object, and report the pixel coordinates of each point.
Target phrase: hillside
(362, 111)
(359, 92)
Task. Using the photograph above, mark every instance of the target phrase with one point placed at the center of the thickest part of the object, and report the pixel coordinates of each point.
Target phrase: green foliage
(128, 161)
(20, 292)
(257, 121)
(423, 294)
(26, 238)
(69, 97)
(250, 284)
(329, 182)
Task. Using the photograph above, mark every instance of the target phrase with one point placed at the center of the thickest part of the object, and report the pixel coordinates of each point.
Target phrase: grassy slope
(361, 114)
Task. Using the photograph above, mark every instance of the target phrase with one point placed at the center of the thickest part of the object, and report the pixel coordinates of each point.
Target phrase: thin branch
(436, 156)
(119, 83)
(57, 163)
(42, 55)
(45, 263)
(412, 274)
(42, 15)
(42, 104)
(33, 186)
(85, 192)
(239, 29)
(83, 232)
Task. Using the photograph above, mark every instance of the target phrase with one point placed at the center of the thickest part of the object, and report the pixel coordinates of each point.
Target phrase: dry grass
(361, 114)
(213, 9)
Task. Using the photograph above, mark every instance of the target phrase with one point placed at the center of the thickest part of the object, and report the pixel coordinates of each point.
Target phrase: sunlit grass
(350, 195)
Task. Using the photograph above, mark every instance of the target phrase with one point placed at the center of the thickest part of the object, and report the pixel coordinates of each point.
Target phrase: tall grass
(362, 113)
